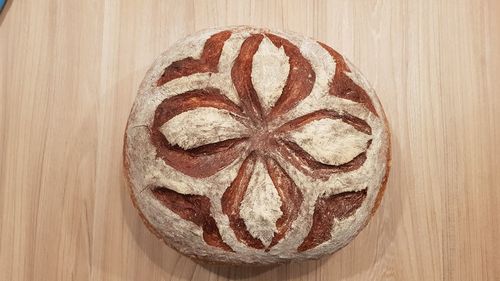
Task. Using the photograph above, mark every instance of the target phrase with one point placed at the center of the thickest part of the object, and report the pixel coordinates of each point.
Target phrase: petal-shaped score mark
(327, 210)
(298, 85)
(193, 208)
(261, 205)
(208, 61)
(299, 151)
(300, 79)
(270, 68)
(330, 141)
(202, 126)
(291, 198)
(200, 161)
(312, 167)
(231, 201)
(241, 74)
(342, 86)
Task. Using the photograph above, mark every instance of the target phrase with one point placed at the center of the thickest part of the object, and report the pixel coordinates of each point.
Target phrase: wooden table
(69, 71)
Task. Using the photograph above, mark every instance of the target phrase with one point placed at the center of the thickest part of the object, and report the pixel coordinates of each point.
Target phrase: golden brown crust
(380, 195)
(360, 125)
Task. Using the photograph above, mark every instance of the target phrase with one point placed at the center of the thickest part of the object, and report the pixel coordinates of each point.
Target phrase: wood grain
(69, 71)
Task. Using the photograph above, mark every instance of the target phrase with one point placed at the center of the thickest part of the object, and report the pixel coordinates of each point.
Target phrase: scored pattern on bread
(262, 142)
(342, 86)
(272, 146)
(304, 161)
(290, 195)
(300, 79)
(328, 209)
(194, 208)
(208, 61)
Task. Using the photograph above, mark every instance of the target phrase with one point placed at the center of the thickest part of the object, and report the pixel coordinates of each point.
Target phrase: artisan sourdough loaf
(251, 146)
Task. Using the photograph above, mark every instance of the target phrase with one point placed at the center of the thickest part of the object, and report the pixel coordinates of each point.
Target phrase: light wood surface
(69, 71)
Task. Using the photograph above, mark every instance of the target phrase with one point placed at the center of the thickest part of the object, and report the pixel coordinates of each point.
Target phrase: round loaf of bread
(251, 146)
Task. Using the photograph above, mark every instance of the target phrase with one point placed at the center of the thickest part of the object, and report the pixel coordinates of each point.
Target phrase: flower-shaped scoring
(201, 132)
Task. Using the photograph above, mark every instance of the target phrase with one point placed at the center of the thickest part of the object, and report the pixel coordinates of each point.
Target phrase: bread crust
(208, 258)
